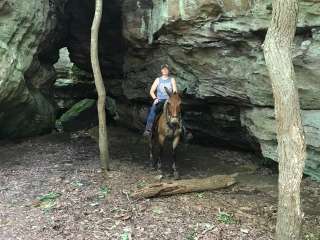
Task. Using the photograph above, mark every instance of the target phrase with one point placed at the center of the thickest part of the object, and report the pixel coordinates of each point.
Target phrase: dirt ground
(51, 188)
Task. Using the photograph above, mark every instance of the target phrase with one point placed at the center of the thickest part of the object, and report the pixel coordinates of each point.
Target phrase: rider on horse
(161, 96)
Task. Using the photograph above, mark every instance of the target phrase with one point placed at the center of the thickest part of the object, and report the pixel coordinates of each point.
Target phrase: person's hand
(156, 101)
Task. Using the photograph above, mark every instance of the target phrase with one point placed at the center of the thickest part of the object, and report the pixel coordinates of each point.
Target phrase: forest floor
(51, 188)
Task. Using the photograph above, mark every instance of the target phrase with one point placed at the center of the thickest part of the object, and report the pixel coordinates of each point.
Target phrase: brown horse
(167, 126)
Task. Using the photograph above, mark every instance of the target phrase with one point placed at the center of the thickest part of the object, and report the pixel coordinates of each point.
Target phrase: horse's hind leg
(174, 157)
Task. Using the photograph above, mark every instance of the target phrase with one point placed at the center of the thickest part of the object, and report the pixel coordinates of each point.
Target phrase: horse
(168, 125)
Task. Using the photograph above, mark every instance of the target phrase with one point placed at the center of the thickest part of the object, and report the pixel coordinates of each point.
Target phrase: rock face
(214, 49)
(31, 34)
(212, 46)
(260, 123)
(28, 48)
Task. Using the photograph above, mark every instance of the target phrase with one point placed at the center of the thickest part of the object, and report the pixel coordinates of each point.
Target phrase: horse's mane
(164, 111)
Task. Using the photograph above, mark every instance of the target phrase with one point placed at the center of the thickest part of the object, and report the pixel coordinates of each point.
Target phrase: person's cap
(164, 66)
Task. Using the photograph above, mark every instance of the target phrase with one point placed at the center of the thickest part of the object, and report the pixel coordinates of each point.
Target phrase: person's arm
(174, 85)
(154, 88)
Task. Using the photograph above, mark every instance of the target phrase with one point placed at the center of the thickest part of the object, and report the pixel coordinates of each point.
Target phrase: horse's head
(173, 107)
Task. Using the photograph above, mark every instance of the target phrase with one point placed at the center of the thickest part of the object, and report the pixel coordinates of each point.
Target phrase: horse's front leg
(161, 146)
(152, 161)
(175, 143)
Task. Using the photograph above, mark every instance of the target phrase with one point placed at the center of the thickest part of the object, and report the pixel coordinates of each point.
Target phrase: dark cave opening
(79, 15)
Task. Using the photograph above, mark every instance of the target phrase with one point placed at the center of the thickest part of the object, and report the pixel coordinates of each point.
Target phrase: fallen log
(185, 186)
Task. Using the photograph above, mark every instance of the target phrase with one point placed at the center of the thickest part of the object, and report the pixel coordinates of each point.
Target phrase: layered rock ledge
(214, 49)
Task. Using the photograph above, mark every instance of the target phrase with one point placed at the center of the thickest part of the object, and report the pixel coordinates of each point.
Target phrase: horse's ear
(168, 91)
(183, 92)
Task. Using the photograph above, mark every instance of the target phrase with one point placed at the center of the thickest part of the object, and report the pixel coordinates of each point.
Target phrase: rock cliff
(212, 46)
(214, 49)
(29, 44)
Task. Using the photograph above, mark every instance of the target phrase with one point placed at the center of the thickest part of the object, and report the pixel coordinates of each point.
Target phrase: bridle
(168, 117)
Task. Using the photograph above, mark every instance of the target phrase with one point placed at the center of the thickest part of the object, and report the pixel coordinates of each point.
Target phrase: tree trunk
(185, 186)
(103, 136)
(290, 134)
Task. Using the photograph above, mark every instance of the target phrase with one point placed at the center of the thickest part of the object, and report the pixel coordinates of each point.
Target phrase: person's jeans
(152, 114)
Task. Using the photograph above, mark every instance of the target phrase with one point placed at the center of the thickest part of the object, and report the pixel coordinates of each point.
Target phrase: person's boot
(147, 133)
(148, 130)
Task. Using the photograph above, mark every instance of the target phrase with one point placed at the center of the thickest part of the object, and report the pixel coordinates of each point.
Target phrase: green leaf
(192, 235)
(125, 236)
(48, 200)
(141, 184)
(77, 184)
(157, 210)
(49, 196)
(200, 195)
(225, 218)
(104, 191)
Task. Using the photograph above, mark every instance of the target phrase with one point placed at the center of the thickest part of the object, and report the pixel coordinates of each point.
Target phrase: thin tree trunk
(290, 134)
(103, 136)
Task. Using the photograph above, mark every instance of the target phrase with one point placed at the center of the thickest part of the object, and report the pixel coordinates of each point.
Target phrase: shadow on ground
(51, 188)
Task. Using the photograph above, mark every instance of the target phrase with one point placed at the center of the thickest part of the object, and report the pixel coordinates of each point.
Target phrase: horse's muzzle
(174, 121)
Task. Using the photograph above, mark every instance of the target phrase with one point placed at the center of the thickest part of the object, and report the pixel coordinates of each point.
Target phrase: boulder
(81, 115)
(84, 115)
(27, 51)
(261, 125)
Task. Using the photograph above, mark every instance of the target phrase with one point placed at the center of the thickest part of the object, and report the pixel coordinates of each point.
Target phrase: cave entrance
(216, 124)
(74, 86)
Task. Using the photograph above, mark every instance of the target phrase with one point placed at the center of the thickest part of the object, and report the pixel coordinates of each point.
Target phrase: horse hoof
(158, 177)
(176, 175)
(147, 165)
